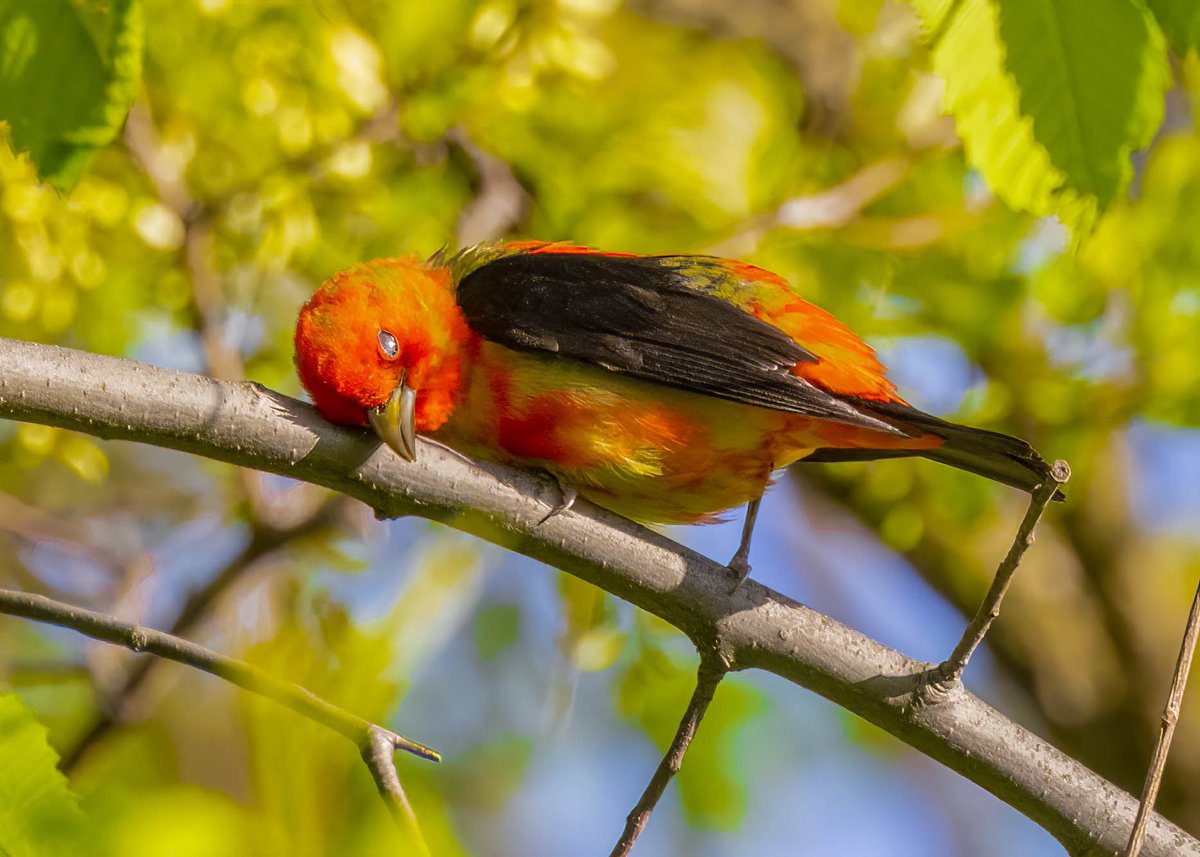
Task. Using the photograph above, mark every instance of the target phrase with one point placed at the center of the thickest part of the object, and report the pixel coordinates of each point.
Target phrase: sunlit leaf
(598, 649)
(66, 83)
(39, 816)
(1051, 96)
(650, 164)
(183, 821)
(589, 637)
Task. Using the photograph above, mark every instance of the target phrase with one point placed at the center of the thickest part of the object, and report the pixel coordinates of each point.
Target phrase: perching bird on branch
(665, 388)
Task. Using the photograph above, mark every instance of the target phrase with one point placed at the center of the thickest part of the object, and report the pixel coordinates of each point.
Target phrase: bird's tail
(991, 454)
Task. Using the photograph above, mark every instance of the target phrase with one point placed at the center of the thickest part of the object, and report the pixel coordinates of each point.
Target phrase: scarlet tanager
(665, 388)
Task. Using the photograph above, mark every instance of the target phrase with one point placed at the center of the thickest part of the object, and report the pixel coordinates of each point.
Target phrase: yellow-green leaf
(39, 815)
(1051, 97)
(67, 78)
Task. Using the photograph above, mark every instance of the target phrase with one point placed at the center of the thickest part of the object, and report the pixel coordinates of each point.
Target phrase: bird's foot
(566, 499)
(739, 567)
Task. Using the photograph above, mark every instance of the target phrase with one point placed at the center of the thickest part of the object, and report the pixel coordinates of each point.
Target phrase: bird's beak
(395, 421)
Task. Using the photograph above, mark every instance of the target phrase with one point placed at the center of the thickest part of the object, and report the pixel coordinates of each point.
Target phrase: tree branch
(754, 627)
(707, 678)
(368, 737)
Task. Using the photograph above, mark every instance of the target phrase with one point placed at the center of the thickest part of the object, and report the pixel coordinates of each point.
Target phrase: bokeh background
(272, 143)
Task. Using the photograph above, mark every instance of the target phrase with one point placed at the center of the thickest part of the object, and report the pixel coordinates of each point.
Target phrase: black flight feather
(642, 317)
(997, 456)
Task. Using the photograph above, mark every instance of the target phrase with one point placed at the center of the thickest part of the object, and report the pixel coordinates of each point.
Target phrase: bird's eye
(388, 344)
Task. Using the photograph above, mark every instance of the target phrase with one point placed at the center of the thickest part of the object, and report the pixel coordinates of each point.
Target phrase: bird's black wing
(641, 316)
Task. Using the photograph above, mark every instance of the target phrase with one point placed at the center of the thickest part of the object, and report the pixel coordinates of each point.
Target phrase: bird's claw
(566, 499)
(739, 567)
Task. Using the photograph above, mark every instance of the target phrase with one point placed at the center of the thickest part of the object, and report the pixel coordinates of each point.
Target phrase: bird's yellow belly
(646, 451)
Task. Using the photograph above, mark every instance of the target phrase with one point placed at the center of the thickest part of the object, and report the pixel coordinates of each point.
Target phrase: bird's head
(384, 344)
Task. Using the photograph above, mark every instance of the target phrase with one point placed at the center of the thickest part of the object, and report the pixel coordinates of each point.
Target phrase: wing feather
(638, 316)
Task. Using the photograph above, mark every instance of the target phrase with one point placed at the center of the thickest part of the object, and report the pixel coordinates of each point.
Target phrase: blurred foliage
(273, 142)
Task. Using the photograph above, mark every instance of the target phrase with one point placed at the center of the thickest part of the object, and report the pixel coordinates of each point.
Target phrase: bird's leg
(740, 564)
(566, 499)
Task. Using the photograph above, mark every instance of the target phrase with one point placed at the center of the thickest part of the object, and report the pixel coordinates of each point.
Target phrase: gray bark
(754, 628)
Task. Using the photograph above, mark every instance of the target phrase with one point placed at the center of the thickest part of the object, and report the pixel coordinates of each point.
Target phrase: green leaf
(497, 628)
(1092, 75)
(67, 78)
(590, 638)
(1180, 20)
(1051, 97)
(488, 776)
(39, 815)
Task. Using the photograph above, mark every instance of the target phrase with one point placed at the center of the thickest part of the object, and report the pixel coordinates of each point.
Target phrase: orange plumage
(665, 388)
(338, 354)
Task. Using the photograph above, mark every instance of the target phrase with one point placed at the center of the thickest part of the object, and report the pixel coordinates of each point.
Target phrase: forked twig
(374, 742)
(1166, 729)
(707, 678)
(377, 753)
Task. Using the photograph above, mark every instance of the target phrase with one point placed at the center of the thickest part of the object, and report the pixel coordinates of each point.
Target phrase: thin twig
(366, 736)
(951, 670)
(208, 302)
(707, 678)
(1166, 730)
(207, 294)
(265, 541)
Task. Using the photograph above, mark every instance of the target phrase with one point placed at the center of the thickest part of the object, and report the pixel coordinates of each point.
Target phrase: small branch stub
(377, 749)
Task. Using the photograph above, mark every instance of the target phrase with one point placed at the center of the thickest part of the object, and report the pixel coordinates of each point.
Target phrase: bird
(667, 388)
